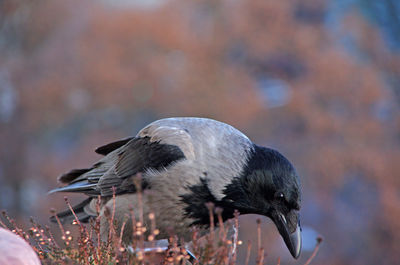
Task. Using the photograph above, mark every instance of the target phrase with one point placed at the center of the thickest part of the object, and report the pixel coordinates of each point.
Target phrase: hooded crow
(185, 163)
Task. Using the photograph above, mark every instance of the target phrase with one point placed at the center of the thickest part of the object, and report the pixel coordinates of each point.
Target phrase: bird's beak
(290, 230)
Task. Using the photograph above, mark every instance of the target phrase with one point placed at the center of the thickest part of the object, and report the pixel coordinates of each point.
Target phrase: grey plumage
(186, 162)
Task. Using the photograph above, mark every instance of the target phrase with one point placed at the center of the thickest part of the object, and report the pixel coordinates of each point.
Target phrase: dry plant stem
(248, 253)
(222, 232)
(184, 253)
(216, 250)
(314, 253)
(121, 234)
(90, 242)
(113, 211)
(138, 183)
(134, 245)
(195, 246)
(91, 245)
(112, 231)
(261, 260)
(210, 207)
(176, 248)
(36, 230)
(3, 224)
(112, 216)
(14, 224)
(83, 231)
(42, 235)
(97, 231)
(72, 210)
(52, 237)
(260, 249)
(153, 234)
(60, 225)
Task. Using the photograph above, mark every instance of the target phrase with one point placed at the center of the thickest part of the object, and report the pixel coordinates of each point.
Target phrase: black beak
(285, 225)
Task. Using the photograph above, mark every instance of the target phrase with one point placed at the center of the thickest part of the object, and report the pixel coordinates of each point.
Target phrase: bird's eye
(280, 196)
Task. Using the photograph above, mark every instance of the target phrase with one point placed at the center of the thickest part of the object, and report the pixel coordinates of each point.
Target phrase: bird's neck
(199, 201)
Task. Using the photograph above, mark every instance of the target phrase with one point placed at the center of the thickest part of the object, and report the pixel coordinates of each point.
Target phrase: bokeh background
(318, 80)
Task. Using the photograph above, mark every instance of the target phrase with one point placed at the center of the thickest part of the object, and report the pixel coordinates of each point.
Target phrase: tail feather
(67, 216)
(81, 186)
(85, 180)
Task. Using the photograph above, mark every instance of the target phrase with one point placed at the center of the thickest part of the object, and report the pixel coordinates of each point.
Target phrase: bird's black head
(269, 186)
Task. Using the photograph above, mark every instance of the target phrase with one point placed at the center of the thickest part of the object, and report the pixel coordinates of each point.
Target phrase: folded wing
(123, 159)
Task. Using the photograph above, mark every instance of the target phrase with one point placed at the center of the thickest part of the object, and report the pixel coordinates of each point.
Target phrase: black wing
(117, 168)
(108, 148)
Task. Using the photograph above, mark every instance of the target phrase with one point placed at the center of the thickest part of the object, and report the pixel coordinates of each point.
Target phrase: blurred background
(318, 80)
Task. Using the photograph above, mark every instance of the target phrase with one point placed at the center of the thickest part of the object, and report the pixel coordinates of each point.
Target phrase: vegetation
(86, 247)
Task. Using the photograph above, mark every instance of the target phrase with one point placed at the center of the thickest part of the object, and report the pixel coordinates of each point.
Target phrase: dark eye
(280, 196)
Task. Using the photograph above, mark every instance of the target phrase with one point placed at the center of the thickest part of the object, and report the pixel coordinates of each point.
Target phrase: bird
(185, 163)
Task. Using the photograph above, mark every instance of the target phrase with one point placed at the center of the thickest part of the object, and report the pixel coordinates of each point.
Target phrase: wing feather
(108, 148)
(118, 167)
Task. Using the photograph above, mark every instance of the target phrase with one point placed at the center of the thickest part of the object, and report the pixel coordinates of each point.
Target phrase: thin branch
(314, 253)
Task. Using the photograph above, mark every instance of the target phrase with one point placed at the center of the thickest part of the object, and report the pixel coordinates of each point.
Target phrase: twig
(112, 216)
(58, 222)
(72, 210)
(210, 207)
(261, 258)
(137, 180)
(3, 224)
(222, 233)
(314, 253)
(260, 249)
(248, 253)
(122, 233)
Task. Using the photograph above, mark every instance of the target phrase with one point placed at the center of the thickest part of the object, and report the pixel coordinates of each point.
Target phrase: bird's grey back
(206, 143)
